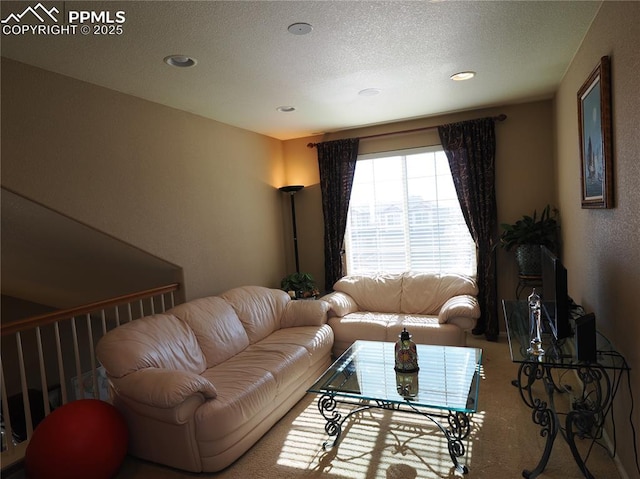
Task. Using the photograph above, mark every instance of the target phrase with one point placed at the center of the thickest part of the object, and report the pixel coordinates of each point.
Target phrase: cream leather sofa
(435, 309)
(202, 382)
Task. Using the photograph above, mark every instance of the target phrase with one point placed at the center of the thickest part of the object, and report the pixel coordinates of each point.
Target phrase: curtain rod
(500, 117)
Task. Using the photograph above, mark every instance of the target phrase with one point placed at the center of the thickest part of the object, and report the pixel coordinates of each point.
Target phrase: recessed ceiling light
(369, 92)
(286, 109)
(180, 61)
(299, 28)
(461, 76)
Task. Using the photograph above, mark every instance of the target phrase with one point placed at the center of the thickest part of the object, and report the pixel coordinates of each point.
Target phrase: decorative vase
(406, 354)
(528, 258)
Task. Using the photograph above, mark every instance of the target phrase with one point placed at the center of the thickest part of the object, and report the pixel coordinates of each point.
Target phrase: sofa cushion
(317, 341)
(217, 327)
(158, 341)
(425, 293)
(304, 313)
(259, 309)
(285, 362)
(363, 325)
(427, 330)
(388, 326)
(243, 388)
(379, 292)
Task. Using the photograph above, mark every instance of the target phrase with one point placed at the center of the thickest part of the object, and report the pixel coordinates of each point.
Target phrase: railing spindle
(103, 318)
(25, 388)
(61, 375)
(76, 351)
(92, 357)
(43, 373)
(5, 413)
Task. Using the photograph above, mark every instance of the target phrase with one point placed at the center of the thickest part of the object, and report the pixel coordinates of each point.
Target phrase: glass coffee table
(363, 377)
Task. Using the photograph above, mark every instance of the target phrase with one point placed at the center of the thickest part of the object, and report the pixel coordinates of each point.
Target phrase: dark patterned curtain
(470, 147)
(337, 164)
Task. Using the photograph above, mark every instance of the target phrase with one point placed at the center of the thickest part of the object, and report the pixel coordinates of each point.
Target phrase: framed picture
(594, 119)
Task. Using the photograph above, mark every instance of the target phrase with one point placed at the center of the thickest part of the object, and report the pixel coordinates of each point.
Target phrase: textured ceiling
(249, 64)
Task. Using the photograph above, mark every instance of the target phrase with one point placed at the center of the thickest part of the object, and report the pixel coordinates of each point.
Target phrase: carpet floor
(384, 444)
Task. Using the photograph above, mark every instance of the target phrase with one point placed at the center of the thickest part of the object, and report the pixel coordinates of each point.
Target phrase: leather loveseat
(435, 308)
(199, 384)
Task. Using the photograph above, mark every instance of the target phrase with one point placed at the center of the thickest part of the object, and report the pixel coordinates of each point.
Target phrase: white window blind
(404, 215)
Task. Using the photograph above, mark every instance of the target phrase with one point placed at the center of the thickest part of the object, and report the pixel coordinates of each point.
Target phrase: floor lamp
(292, 190)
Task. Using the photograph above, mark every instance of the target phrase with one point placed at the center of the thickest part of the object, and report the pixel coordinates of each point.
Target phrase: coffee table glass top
(448, 377)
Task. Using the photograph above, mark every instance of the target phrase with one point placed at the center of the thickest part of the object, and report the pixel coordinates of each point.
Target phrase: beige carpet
(393, 445)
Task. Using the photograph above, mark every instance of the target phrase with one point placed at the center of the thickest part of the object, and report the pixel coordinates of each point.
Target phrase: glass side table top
(557, 353)
(448, 378)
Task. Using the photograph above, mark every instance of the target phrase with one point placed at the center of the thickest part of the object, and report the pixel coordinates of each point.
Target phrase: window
(404, 215)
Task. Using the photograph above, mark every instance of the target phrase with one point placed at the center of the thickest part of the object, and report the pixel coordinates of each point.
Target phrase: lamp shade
(291, 188)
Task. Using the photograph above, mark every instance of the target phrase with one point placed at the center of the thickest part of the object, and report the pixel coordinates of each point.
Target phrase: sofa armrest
(163, 388)
(304, 312)
(461, 307)
(340, 304)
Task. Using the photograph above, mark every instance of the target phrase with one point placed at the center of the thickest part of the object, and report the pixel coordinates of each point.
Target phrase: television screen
(555, 295)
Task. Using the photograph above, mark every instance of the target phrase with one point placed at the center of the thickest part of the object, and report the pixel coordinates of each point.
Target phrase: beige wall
(524, 173)
(197, 193)
(601, 246)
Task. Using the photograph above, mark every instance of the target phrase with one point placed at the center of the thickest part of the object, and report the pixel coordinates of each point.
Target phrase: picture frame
(595, 127)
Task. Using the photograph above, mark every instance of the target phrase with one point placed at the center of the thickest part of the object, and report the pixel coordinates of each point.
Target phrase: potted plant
(527, 235)
(299, 285)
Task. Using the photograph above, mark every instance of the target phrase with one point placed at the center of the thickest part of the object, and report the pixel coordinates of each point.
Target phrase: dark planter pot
(528, 259)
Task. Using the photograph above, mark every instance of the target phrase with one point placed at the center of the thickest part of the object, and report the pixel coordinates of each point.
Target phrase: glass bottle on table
(535, 324)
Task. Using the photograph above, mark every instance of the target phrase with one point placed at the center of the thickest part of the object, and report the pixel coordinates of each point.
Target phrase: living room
(203, 195)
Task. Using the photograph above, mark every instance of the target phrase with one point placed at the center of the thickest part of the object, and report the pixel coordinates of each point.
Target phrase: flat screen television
(555, 295)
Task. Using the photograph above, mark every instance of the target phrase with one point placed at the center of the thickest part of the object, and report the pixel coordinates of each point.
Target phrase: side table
(590, 402)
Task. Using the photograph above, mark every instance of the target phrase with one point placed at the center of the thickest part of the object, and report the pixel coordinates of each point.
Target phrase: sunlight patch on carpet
(375, 443)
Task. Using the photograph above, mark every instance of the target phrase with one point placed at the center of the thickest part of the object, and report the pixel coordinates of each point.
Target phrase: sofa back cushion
(379, 293)
(425, 293)
(259, 309)
(158, 341)
(216, 326)
(308, 312)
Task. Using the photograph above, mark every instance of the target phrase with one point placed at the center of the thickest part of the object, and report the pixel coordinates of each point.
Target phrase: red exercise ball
(82, 439)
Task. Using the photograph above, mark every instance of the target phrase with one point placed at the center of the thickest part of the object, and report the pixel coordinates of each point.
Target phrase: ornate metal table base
(458, 428)
(585, 420)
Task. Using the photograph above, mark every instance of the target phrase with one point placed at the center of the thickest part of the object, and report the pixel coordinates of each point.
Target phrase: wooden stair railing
(43, 357)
